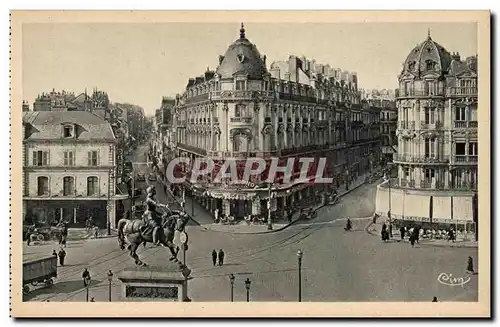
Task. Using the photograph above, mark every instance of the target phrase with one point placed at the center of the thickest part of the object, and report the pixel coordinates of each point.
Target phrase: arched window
(68, 186)
(92, 186)
(42, 185)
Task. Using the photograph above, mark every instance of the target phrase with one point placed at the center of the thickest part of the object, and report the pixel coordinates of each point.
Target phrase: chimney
(455, 56)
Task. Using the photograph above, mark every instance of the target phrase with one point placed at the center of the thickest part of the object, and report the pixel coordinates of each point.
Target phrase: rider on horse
(151, 216)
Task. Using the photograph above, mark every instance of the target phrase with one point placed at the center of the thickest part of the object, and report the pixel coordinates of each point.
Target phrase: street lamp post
(299, 257)
(110, 279)
(269, 219)
(231, 279)
(247, 286)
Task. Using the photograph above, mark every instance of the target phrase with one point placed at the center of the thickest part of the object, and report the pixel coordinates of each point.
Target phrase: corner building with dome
(437, 140)
(296, 108)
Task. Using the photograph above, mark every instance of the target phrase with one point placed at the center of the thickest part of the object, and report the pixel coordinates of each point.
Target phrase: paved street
(337, 266)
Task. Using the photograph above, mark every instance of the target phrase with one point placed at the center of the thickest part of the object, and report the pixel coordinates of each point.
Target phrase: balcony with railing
(419, 93)
(464, 159)
(419, 159)
(241, 120)
(406, 125)
(240, 94)
(461, 91)
(465, 124)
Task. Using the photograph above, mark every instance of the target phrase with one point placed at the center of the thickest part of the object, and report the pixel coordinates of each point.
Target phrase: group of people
(61, 254)
(218, 258)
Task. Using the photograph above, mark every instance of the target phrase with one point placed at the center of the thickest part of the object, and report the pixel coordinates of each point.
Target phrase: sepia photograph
(324, 162)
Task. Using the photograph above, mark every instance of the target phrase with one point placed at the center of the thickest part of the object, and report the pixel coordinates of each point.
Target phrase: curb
(293, 221)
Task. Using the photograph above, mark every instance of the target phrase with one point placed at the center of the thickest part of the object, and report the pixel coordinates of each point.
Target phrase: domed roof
(430, 52)
(242, 57)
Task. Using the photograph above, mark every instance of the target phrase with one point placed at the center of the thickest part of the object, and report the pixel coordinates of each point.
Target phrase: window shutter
(35, 161)
(98, 157)
(45, 158)
(89, 158)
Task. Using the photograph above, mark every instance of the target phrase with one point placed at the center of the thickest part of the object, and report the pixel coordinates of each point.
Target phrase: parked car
(152, 177)
(141, 177)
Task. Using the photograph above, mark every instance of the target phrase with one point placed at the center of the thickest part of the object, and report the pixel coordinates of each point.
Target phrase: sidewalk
(243, 228)
(377, 228)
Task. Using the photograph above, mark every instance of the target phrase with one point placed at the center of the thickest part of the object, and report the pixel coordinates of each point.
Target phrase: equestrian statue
(154, 227)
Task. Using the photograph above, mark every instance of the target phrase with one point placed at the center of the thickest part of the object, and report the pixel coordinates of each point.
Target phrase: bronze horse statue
(136, 232)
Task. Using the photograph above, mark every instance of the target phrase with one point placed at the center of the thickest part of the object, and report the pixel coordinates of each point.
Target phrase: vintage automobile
(42, 232)
(308, 213)
(141, 176)
(152, 177)
(38, 271)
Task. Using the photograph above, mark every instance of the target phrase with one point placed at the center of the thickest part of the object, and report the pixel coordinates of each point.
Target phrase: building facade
(68, 168)
(295, 109)
(437, 138)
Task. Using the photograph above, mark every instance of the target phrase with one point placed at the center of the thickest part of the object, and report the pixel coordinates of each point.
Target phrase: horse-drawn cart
(38, 271)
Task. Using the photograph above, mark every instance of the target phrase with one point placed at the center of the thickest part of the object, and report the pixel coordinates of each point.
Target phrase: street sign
(183, 237)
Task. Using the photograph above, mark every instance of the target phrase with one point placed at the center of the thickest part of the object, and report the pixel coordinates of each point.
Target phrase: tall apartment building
(437, 138)
(295, 109)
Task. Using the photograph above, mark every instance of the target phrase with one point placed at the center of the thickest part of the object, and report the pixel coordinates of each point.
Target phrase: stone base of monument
(155, 283)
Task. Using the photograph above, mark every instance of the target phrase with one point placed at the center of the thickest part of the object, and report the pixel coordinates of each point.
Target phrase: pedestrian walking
(86, 278)
(470, 265)
(54, 253)
(412, 239)
(216, 214)
(221, 257)
(214, 257)
(62, 255)
(435, 299)
(92, 300)
(384, 233)
(402, 232)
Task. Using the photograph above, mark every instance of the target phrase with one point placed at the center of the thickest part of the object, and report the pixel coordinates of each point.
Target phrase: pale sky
(140, 63)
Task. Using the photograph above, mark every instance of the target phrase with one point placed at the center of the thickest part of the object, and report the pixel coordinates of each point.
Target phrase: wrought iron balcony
(243, 120)
(419, 159)
(461, 91)
(464, 159)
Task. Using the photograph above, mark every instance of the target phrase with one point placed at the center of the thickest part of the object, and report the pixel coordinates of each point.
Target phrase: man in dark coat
(402, 232)
(86, 278)
(214, 257)
(221, 257)
(54, 253)
(470, 265)
(62, 255)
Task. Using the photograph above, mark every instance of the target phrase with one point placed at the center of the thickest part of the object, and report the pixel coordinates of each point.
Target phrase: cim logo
(449, 280)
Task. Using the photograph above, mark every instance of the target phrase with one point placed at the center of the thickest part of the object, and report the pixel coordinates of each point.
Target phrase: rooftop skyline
(140, 63)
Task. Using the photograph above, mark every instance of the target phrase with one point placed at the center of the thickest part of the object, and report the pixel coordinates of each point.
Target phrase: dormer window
(68, 131)
(429, 64)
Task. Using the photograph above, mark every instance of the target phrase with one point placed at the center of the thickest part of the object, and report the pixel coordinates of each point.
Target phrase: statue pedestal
(155, 283)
